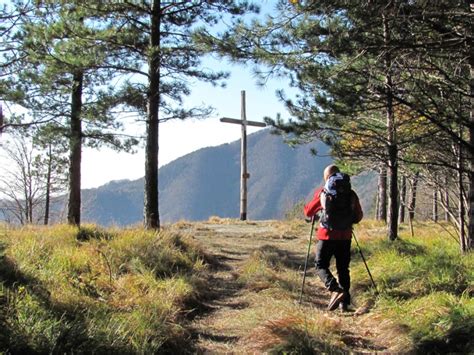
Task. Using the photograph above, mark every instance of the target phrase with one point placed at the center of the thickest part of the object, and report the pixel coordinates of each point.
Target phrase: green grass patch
(424, 301)
(64, 290)
(96, 290)
(425, 285)
(439, 322)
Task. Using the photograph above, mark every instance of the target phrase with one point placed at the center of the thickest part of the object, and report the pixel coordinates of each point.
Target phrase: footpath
(240, 317)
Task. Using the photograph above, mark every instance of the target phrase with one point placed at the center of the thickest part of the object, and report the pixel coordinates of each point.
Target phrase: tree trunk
(446, 198)
(377, 203)
(403, 197)
(28, 176)
(392, 148)
(461, 209)
(392, 216)
(461, 206)
(29, 200)
(75, 154)
(470, 241)
(48, 187)
(382, 194)
(151, 206)
(412, 206)
(435, 204)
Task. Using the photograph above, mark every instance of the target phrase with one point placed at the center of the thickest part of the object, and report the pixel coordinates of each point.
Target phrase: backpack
(336, 199)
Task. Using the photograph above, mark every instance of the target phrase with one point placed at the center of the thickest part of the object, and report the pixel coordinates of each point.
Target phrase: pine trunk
(24, 209)
(75, 151)
(446, 198)
(470, 239)
(392, 217)
(461, 208)
(377, 205)
(461, 205)
(414, 186)
(435, 204)
(48, 188)
(392, 148)
(382, 194)
(403, 197)
(151, 207)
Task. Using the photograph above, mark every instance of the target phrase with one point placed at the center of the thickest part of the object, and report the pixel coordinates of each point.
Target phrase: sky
(178, 138)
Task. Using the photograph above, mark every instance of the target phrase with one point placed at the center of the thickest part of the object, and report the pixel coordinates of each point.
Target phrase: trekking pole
(307, 257)
(365, 263)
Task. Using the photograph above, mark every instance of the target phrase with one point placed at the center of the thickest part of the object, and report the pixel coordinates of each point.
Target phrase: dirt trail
(231, 245)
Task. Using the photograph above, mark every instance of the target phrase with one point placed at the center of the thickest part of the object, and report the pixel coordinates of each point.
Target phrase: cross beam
(243, 152)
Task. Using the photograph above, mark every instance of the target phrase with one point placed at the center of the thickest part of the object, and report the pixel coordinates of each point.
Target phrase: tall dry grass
(127, 290)
(96, 290)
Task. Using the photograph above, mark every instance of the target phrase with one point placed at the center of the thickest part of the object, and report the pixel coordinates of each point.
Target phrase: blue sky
(178, 138)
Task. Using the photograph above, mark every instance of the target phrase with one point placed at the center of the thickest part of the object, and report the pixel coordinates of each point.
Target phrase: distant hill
(206, 183)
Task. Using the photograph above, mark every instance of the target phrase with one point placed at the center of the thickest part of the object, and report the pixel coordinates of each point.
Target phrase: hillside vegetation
(228, 286)
(206, 183)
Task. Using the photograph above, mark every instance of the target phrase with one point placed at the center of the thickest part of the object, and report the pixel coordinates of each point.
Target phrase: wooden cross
(243, 153)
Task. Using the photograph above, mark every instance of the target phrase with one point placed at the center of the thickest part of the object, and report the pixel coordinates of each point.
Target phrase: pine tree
(356, 61)
(58, 72)
(156, 37)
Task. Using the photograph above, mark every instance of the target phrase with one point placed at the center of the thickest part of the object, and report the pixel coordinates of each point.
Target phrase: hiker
(338, 207)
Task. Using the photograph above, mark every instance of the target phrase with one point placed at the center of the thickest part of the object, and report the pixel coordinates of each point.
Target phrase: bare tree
(28, 179)
(20, 182)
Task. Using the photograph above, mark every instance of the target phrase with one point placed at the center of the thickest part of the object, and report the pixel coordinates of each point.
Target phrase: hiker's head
(330, 170)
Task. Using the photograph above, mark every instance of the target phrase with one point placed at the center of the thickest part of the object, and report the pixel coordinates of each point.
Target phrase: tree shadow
(73, 337)
(458, 340)
(354, 341)
(219, 338)
(6, 334)
(291, 339)
(276, 257)
(406, 248)
(220, 289)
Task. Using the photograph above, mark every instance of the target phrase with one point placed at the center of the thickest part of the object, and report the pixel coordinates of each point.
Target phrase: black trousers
(341, 250)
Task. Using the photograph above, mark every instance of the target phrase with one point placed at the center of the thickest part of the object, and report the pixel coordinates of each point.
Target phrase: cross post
(244, 175)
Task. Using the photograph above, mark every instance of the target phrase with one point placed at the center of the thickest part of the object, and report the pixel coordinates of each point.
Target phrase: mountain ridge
(206, 183)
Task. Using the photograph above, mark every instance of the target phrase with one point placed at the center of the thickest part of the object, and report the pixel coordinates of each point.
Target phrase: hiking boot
(336, 298)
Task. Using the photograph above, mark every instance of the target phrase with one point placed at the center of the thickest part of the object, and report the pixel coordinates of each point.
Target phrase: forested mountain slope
(207, 183)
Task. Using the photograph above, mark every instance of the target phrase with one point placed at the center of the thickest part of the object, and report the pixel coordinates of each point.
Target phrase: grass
(65, 290)
(130, 291)
(425, 284)
(275, 323)
(289, 330)
(424, 302)
(269, 268)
